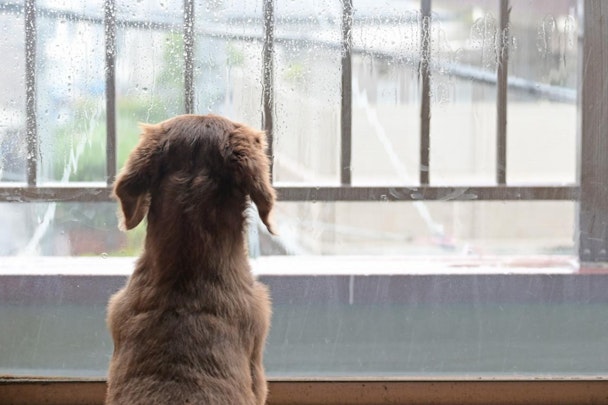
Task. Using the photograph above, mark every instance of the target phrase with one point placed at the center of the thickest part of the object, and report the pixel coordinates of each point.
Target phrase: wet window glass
(426, 156)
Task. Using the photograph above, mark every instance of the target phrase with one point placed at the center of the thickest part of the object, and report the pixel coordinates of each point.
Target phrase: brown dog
(189, 327)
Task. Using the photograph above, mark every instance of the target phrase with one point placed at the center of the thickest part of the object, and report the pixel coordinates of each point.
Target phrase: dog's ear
(247, 156)
(132, 186)
(264, 196)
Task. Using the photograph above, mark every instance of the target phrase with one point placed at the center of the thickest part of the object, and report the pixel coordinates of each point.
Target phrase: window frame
(592, 210)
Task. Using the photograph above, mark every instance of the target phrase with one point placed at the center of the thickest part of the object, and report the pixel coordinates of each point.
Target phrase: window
(438, 165)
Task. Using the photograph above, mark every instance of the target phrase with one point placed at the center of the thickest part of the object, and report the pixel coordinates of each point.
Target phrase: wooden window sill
(554, 391)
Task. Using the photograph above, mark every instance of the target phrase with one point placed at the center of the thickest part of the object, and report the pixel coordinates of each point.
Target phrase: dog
(189, 326)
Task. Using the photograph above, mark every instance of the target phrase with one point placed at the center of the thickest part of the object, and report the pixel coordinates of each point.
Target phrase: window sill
(314, 265)
(346, 392)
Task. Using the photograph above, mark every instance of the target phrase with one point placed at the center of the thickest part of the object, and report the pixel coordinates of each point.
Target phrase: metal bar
(31, 126)
(72, 16)
(100, 193)
(346, 96)
(189, 56)
(501, 93)
(427, 193)
(110, 70)
(425, 79)
(268, 79)
(593, 143)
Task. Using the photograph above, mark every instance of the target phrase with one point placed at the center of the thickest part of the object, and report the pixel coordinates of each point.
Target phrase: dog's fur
(189, 327)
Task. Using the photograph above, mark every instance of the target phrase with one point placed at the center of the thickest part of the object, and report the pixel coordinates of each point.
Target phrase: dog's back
(196, 353)
(190, 325)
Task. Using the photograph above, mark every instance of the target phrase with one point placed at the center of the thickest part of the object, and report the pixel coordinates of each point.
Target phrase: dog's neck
(187, 249)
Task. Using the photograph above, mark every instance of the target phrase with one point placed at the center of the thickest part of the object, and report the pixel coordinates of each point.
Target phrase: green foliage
(81, 143)
(79, 149)
(295, 72)
(234, 55)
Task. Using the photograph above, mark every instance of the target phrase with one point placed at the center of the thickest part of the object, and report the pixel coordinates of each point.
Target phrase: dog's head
(194, 163)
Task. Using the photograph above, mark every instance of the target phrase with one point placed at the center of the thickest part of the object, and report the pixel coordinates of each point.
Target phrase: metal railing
(345, 191)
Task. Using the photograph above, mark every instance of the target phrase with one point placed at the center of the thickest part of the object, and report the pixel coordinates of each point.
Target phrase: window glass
(65, 229)
(12, 99)
(228, 59)
(70, 94)
(316, 228)
(149, 68)
(426, 228)
(385, 93)
(373, 287)
(307, 91)
(463, 42)
(542, 108)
